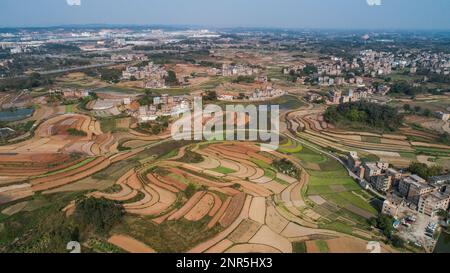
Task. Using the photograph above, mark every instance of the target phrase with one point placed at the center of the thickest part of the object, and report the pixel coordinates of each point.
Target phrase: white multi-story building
(432, 202)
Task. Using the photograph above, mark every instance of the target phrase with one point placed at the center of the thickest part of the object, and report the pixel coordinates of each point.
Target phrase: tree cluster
(374, 115)
(99, 214)
(424, 171)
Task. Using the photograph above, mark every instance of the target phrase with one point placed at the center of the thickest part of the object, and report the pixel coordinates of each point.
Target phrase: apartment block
(382, 182)
(371, 169)
(391, 205)
(430, 203)
(413, 187)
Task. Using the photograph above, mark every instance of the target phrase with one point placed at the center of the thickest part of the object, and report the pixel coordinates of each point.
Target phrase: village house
(238, 70)
(153, 75)
(262, 79)
(313, 97)
(164, 105)
(267, 93)
(70, 93)
(443, 116)
(129, 57)
(226, 97)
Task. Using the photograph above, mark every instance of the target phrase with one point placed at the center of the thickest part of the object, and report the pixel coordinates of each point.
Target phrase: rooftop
(417, 181)
(441, 179)
(436, 196)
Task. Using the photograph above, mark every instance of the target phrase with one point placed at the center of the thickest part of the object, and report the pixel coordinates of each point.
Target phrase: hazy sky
(398, 14)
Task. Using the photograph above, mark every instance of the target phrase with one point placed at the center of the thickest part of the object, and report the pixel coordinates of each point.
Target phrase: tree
(310, 69)
(420, 169)
(286, 167)
(385, 223)
(445, 138)
(407, 107)
(424, 171)
(358, 116)
(76, 132)
(365, 113)
(211, 96)
(373, 222)
(443, 214)
(99, 214)
(32, 81)
(93, 95)
(427, 112)
(111, 75)
(397, 241)
(190, 190)
(171, 78)
(244, 79)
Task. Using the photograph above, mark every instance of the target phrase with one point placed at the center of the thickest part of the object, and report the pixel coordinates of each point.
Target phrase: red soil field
(233, 210)
(219, 213)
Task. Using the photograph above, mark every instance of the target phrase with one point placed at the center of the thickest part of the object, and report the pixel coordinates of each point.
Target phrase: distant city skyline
(336, 14)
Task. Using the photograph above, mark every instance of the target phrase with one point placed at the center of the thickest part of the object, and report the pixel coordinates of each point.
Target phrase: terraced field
(399, 148)
(331, 198)
(232, 200)
(195, 197)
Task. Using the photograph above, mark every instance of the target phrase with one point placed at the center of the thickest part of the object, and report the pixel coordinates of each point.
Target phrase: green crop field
(268, 170)
(299, 247)
(310, 156)
(408, 155)
(433, 151)
(69, 108)
(345, 198)
(290, 147)
(322, 246)
(337, 187)
(223, 170)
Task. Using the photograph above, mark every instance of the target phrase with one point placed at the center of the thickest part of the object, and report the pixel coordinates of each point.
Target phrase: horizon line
(112, 25)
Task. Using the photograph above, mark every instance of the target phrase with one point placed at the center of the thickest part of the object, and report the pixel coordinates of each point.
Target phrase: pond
(14, 115)
(443, 244)
(289, 102)
(286, 103)
(117, 91)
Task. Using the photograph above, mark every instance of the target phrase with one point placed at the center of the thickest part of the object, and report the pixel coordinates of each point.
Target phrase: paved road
(76, 68)
(57, 71)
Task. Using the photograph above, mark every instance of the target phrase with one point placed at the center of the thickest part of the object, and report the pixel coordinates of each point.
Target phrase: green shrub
(76, 132)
